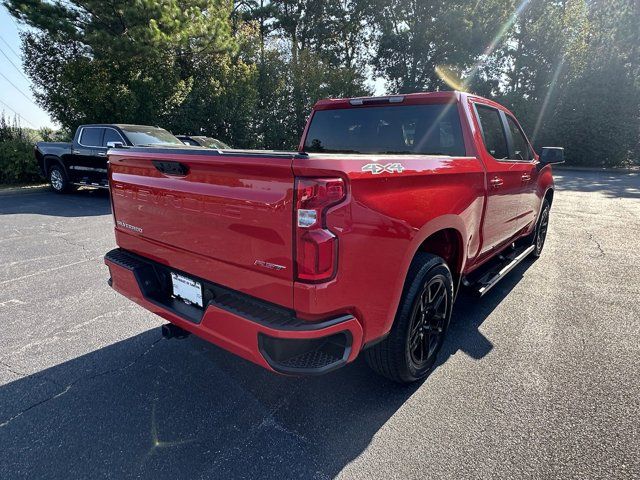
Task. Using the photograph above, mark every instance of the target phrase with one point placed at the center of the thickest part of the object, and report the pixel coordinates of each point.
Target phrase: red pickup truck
(357, 242)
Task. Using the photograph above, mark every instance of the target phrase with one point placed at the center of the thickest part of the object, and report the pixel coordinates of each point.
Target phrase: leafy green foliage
(569, 70)
(17, 163)
(323, 56)
(416, 36)
(131, 62)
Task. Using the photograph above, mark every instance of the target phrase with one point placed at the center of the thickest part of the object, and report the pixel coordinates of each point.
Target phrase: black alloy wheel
(411, 348)
(428, 322)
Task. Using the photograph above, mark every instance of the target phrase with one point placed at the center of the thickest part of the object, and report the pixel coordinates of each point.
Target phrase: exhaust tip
(169, 330)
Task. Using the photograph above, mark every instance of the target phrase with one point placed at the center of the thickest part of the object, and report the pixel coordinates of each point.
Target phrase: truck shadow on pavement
(147, 407)
(470, 312)
(86, 202)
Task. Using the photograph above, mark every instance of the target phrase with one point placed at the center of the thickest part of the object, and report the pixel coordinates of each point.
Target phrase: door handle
(102, 154)
(171, 168)
(526, 177)
(496, 182)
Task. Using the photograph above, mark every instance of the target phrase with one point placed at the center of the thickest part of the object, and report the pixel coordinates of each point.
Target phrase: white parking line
(13, 301)
(41, 272)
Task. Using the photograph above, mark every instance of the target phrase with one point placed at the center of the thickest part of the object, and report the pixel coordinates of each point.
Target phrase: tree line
(249, 71)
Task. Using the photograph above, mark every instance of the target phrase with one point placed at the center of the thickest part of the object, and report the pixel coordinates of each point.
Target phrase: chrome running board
(487, 282)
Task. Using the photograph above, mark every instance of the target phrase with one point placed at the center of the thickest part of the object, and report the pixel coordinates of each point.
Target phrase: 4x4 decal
(377, 168)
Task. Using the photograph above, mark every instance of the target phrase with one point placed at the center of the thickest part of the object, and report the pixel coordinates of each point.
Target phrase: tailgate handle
(171, 168)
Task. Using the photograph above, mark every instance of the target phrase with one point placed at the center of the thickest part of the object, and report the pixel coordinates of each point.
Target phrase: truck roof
(404, 99)
(399, 98)
(118, 125)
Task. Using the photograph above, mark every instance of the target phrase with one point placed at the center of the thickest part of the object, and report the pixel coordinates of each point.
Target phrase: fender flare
(48, 160)
(443, 222)
(551, 189)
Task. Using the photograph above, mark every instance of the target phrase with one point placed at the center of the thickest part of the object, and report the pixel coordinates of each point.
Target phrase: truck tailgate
(226, 217)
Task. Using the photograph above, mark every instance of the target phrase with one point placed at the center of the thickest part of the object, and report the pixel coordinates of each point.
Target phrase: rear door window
(493, 133)
(413, 129)
(91, 136)
(521, 149)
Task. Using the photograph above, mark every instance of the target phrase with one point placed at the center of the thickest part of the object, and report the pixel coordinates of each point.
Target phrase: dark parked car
(84, 160)
(200, 141)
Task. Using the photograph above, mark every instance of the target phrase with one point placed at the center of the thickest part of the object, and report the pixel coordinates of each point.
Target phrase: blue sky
(17, 98)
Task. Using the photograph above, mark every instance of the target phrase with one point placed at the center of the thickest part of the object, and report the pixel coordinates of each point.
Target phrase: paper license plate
(186, 289)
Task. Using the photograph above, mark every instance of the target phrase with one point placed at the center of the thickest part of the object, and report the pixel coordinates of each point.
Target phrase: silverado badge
(129, 226)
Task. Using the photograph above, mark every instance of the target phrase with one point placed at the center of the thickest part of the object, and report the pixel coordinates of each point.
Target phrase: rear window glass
(418, 129)
(91, 137)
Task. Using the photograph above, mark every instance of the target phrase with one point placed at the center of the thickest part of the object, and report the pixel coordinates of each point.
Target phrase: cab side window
(521, 149)
(493, 134)
(91, 137)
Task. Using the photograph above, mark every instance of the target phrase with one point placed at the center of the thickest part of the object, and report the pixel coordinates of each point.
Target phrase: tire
(541, 229)
(58, 179)
(397, 357)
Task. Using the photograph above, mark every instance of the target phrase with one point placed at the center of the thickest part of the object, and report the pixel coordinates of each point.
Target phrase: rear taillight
(316, 246)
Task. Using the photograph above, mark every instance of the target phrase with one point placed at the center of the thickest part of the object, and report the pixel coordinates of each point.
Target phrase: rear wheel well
(447, 244)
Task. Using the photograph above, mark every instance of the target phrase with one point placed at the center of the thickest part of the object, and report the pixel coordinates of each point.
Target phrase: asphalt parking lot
(539, 379)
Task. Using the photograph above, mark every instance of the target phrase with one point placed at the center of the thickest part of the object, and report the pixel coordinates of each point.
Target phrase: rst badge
(377, 168)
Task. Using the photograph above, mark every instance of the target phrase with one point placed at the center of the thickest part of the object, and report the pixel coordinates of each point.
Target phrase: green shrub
(17, 162)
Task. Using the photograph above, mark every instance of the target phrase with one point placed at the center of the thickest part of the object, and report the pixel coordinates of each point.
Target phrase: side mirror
(115, 144)
(550, 155)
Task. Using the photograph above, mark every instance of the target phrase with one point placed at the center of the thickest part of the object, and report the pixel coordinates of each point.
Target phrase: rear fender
(443, 222)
